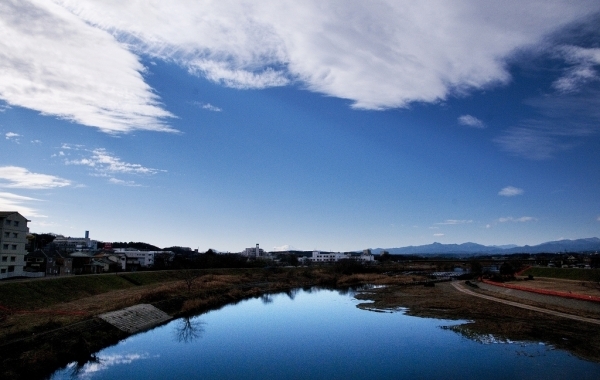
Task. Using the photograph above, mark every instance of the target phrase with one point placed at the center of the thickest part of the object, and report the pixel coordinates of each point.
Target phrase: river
(321, 334)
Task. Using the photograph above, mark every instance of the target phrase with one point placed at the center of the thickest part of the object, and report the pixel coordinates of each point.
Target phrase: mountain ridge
(556, 246)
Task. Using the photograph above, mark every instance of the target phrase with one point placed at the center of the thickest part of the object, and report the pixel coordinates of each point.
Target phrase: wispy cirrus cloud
(455, 222)
(438, 234)
(582, 69)
(471, 121)
(20, 178)
(510, 191)
(81, 61)
(19, 203)
(564, 121)
(522, 219)
(123, 183)
(103, 163)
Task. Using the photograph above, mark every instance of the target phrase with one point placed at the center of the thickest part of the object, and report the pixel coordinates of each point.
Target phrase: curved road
(523, 306)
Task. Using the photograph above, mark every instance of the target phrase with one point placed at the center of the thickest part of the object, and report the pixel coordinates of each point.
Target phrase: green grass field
(565, 273)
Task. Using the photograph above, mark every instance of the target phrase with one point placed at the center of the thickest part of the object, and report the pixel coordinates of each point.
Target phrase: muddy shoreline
(503, 322)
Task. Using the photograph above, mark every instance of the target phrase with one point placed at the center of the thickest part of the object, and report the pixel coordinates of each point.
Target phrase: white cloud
(79, 61)
(22, 178)
(510, 191)
(522, 219)
(104, 163)
(55, 63)
(470, 121)
(208, 107)
(14, 202)
(12, 135)
(123, 183)
(598, 219)
(582, 70)
(455, 221)
(438, 234)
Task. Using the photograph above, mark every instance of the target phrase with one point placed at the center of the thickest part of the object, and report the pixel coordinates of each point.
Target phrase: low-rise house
(50, 262)
(81, 262)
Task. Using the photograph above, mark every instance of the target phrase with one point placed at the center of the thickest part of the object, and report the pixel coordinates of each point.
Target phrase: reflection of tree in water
(292, 293)
(84, 356)
(266, 298)
(188, 330)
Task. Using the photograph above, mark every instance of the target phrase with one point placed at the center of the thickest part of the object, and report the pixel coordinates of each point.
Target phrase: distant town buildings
(13, 238)
(75, 244)
(254, 252)
(324, 257)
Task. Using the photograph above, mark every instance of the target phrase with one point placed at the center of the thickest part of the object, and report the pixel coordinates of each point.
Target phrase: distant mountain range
(578, 245)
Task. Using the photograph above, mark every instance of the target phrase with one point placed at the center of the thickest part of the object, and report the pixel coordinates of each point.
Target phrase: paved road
(460, 288)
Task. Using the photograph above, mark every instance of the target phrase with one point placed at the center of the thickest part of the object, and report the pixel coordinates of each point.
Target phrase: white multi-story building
(13, 238)
(255, 252)
(133, 256)
(330, 257)
(75, 244)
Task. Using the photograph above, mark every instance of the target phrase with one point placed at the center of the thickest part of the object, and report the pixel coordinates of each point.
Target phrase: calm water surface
(321, 334)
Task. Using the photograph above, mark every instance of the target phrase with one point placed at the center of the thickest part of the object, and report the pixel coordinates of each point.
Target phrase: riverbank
(492, 321)
(47, 324)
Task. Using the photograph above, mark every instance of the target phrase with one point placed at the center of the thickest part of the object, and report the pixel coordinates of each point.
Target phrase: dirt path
(523, 306)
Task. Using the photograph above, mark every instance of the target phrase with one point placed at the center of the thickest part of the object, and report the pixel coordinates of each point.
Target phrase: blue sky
(336, 125)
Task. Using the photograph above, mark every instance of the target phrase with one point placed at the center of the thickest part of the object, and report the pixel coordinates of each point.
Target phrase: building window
(3, 270)
(4, 246)
(4, 258)
(15, 235)
(11, 268)
(13, 247)
(7, 234)
(16, 224)
(7, 222)
(13, 258)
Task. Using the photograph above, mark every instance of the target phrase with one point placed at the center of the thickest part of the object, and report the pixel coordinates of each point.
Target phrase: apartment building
(13, 238)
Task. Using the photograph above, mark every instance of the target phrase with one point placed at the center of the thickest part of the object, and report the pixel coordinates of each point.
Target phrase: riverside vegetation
(46, 324)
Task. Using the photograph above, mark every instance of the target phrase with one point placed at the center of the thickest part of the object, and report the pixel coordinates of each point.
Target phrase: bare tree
(189, 277)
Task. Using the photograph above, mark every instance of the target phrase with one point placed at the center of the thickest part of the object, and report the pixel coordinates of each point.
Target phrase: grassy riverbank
(48, 323)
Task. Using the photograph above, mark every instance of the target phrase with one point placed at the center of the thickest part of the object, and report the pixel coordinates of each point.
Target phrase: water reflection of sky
(100, 363)
(321, 335)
